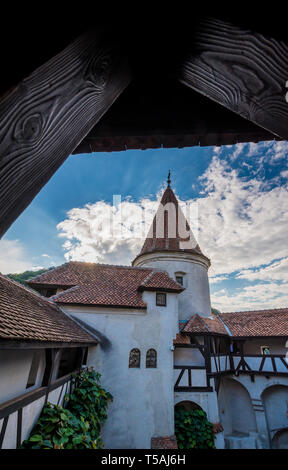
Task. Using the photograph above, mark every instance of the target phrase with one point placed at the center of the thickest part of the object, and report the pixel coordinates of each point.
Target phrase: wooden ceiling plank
(50, 112)
(241, 70)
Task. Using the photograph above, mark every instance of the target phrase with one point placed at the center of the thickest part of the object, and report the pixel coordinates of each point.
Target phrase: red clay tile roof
(258, 322)
(181, 339)
(25, 315)
(159, 280)
(155, 243)
(104, 285)
(167, 442)
(199, 324)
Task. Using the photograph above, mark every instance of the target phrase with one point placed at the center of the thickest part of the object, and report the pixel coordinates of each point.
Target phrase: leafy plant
(22, 277)
(78, 425)
(193, 430)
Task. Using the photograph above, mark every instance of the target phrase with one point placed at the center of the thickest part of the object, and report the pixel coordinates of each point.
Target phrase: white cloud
(214, 280)
(258, 296)
(13, 258)
(276, 271)
(243, 223)
(284, 174)
(242, 228)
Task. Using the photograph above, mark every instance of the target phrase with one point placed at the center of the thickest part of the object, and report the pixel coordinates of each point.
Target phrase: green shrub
(193, 430)
(78, 425)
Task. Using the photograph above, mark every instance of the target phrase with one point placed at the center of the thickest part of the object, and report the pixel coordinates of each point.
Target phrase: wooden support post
(49, 113)
(207, 352)
(3, 430)
(242, 70)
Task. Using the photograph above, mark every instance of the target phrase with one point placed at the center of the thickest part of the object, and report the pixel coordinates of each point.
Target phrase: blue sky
(241, 196)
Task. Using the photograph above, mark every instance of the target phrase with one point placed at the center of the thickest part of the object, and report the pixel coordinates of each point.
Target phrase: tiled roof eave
(30, 342)
(131, 307)
(161, 289)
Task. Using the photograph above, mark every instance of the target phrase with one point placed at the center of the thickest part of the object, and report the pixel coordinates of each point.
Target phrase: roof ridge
(203, 322)
(255, 311)
(26, 288)
(119, 266)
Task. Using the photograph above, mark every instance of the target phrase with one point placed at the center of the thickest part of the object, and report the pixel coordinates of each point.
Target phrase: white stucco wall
(143, 405)
(188, 357)
(229, 399)
(14, 371)
(196, 296)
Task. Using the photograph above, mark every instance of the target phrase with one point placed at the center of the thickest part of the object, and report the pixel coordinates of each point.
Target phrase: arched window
(134, 358)
(151, 358)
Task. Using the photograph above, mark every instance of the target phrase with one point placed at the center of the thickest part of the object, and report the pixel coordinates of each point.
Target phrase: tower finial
(168, 180)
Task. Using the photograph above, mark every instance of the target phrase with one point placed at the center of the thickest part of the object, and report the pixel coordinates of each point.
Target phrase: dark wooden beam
(19, 344)
(242, 70)
(49, 113)
(165, 113)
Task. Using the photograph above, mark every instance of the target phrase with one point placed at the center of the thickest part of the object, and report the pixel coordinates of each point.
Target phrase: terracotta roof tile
(181, 339)
(160, 280)
(199, 324)
(154, 242)
(104, 285)
(25, 315)
(167, 442)
(272, 322)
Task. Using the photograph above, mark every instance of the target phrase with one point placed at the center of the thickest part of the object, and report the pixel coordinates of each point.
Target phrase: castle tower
(171, 245)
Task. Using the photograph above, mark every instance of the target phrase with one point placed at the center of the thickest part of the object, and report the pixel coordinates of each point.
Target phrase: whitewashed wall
(143, 405)
(14, 371)
(196, 296)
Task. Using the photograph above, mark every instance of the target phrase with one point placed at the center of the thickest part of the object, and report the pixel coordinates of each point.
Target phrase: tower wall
(194, 268)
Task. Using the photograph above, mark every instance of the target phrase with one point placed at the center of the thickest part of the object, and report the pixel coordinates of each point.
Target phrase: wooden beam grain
(242, 70)
(49, 113)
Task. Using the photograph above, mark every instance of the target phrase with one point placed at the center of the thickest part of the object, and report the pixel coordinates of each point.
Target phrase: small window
(265, 350)
(161, 299)
(179, 279)
(34, 369)
(151, 358)
(134, 358)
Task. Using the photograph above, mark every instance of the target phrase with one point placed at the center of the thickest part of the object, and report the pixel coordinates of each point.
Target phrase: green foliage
(215, 311)
(193, 430)
(22, 277)
(78, 425)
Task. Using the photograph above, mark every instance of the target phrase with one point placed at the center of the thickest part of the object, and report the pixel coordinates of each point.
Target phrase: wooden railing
(261, 364)
(224, 364)
(17, 404)
(185, 382)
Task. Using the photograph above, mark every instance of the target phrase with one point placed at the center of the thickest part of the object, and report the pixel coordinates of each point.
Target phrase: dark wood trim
(20, 344)
(19, 427)
(193, 389)
(3, 430)
(190, 367)
(284, 362)
(129, 307)
(50, 355)
(179, 377)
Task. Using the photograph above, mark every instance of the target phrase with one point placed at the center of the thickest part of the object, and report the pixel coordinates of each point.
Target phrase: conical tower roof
(170, 230)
